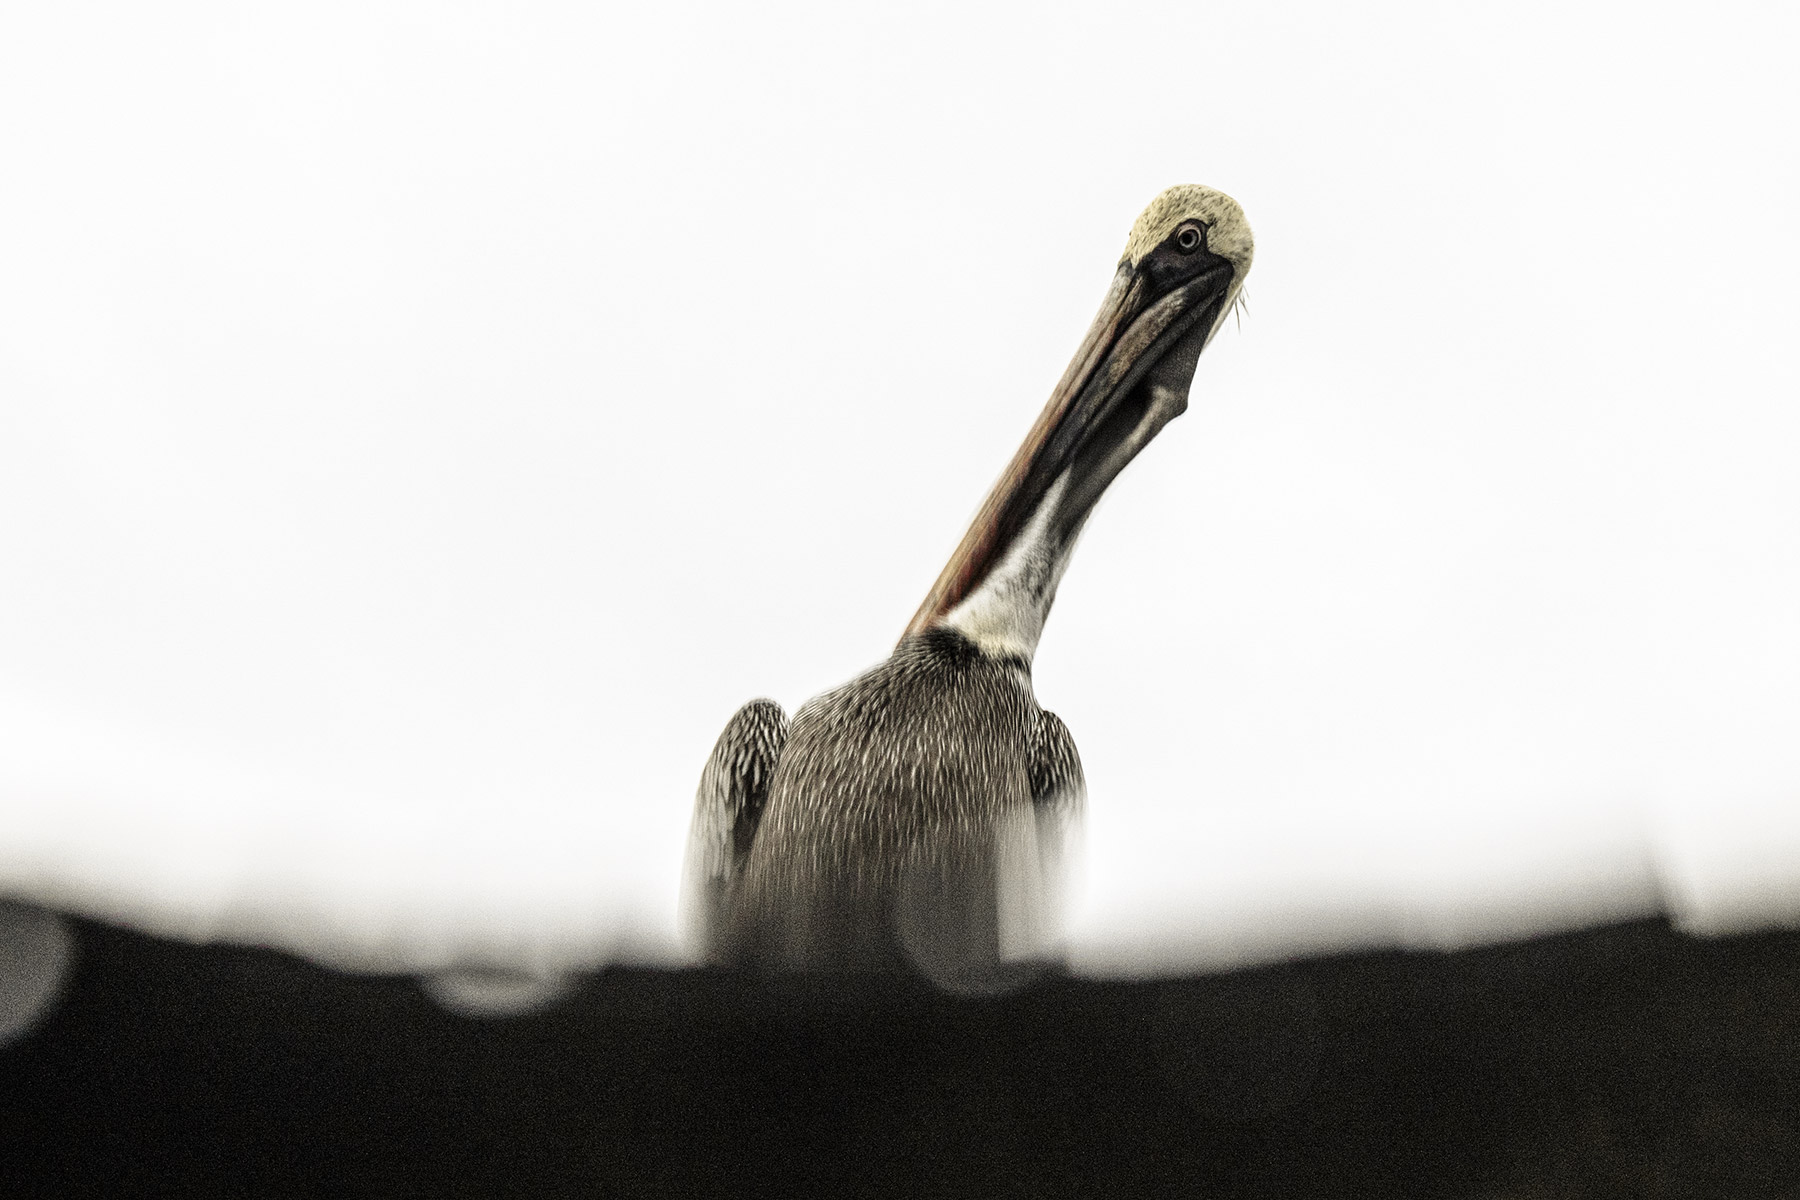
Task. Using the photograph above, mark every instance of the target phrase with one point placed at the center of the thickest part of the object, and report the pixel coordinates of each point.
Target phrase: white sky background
(422, 426)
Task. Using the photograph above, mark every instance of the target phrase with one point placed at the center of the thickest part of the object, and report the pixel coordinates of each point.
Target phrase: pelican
(914, 818)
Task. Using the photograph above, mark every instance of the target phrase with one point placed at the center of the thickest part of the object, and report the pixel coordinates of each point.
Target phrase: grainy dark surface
(1622, 1062)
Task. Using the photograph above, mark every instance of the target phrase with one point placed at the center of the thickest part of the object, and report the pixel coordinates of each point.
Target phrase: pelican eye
(1189, 239)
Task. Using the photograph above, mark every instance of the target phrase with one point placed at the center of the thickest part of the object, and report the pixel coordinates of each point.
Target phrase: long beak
(1128, 379)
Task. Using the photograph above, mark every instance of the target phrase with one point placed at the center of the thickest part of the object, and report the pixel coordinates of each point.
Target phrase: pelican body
(915, 817)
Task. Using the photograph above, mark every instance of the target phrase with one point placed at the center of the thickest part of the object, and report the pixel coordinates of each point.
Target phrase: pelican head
(1182, 269)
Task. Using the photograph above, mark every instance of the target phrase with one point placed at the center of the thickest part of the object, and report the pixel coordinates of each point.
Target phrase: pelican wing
(733, 789)
(1058, 795)
(1058, 787)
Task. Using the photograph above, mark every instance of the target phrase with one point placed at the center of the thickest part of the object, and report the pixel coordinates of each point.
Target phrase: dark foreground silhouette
(1628, 1061)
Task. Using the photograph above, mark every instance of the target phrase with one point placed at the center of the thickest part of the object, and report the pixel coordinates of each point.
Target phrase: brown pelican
(916, 814)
